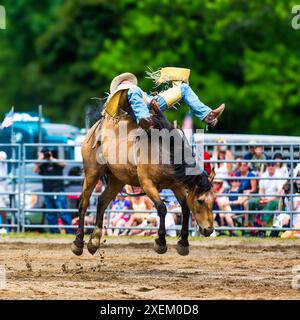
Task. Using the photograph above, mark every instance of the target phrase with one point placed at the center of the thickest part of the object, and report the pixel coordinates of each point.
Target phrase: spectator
(51, 168)
(236, 200)
(222, 204)
(269, 203)
(153, 221)
(207, 165)
(119, 219)
(297, 169)
(258, 167)
(223, 169)
(139, 218)
(281, 168)
(283, 219)
(246, 186)
(237, 165)
(250, 153)
(170, 199)
(4, 200)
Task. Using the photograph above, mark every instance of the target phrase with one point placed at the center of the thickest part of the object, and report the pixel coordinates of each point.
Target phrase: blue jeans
(57, 202)
(141, 110)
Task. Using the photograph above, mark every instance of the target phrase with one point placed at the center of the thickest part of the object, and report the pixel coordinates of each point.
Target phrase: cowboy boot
(212, 118)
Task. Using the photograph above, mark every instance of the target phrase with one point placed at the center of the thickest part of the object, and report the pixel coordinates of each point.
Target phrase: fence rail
(21, 186)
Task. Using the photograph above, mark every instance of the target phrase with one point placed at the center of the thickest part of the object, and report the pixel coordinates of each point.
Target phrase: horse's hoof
(78, 250)
(182, 250)
(160, 249)
(91, 248)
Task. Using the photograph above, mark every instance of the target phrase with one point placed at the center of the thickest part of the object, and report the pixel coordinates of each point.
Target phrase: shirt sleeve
(135, 97)
(126, 204)
(137, 103)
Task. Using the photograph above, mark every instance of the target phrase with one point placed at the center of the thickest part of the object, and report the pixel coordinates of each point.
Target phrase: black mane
(199, 183)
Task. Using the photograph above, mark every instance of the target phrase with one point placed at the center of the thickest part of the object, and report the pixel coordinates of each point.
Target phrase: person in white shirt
(281, 168)
(284, 219)
(297, 170)
(269, 189)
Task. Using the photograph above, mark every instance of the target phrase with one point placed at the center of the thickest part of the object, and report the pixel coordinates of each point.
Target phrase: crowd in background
(246, 196)
(251, 187)
(243, 188)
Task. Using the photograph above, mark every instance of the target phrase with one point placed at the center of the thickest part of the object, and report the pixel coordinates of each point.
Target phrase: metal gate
(24, 195)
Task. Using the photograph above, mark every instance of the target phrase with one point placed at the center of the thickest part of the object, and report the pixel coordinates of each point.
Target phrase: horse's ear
(212, 175)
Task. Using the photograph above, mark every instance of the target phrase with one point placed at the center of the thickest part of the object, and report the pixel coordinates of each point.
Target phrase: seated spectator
(269, 203)
(169, 198)
(207, 165)
(297, 169)
(153, 221)
(258, 167)
(250, 153)
(236, 201)
(223, 169)
(283, 219)
(237, 165)
(247, 186)
(281, 168)
(139, 218)
(119, 219)
(222, 204)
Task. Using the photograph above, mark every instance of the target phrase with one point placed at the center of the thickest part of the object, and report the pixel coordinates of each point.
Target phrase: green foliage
(244, 53)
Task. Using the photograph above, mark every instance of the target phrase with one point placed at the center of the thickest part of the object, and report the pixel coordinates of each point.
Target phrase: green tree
(244, 53)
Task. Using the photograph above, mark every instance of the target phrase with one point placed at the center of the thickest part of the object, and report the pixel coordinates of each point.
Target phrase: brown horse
(193, 192)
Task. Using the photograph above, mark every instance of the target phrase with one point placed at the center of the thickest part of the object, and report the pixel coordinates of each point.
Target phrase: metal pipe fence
(10, 192)
(27, 196)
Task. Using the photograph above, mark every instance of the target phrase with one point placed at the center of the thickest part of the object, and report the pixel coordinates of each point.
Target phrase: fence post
(292, 185)
(23, 173)
(14, 185)
(19, 187)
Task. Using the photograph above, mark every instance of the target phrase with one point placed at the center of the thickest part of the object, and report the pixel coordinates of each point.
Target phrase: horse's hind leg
(90, 181)
(111, 191)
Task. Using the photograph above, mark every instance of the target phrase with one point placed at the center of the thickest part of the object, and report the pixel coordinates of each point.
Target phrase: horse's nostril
(206, 232)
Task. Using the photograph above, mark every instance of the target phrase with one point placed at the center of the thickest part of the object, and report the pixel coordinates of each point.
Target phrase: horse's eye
(201, 202)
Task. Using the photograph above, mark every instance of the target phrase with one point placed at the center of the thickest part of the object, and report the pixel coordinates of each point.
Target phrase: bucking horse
(100, 150)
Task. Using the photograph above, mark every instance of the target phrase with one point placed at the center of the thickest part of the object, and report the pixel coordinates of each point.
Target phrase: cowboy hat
(121, 77)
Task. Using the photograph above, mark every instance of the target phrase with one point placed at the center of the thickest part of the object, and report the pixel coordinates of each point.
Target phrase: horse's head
(201, 204)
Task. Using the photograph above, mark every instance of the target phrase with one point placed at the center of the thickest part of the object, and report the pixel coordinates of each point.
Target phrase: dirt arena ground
(125, 268)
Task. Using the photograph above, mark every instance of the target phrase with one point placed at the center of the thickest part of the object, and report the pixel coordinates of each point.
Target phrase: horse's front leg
(183, 244)
(160, 244)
